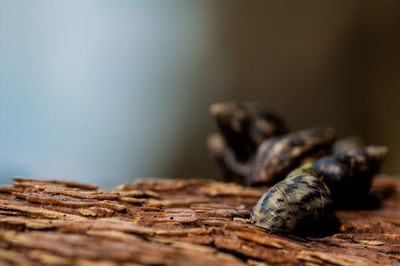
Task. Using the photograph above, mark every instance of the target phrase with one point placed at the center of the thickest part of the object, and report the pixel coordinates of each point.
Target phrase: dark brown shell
(230, 168)
(349, 175)
(244, 126)
(277, 156)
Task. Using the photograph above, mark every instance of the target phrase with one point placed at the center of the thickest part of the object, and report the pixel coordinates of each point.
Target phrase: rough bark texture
(175, 222)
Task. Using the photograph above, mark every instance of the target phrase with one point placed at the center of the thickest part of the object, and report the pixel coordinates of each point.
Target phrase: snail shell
(244, 126)
(230, 168)
(299, 201)
(277, 156)
(347, 144)
(349, 174)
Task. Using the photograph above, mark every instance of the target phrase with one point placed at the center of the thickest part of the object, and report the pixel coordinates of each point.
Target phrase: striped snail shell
(299, 201)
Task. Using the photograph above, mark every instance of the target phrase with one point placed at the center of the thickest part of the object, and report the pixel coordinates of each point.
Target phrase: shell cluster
(253, 145)
(311, 174)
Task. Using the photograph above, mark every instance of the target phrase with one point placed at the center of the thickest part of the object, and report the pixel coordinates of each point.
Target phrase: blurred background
(110, 91)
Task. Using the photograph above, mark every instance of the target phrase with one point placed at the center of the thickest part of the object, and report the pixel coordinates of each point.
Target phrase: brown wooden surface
(193, 222)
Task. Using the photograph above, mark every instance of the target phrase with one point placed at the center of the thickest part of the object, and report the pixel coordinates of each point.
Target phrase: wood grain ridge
(181, 222)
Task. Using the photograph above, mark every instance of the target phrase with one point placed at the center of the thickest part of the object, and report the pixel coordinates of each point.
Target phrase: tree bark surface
(181, 222)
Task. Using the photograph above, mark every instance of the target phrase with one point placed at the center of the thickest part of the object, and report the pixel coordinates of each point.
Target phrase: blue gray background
(109, 91)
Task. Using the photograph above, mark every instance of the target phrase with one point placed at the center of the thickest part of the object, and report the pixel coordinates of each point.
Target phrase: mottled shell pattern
(299, 201)
(277, 156)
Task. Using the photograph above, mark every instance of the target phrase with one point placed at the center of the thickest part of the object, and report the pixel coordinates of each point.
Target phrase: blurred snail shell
(244, 126)
(277, 156)
(230, 168)
(298, 202)
(347, 144)
(349, 174)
